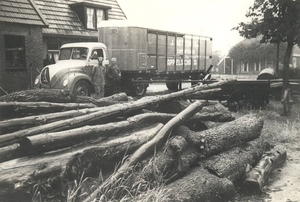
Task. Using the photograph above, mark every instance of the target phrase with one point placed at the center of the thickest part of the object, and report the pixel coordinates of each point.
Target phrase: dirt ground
(283, 184)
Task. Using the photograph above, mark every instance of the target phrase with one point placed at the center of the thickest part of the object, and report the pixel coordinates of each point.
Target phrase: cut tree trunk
(105, 101)
(113, 110)
(149, 146)
(226, 114)
(20, 109)
(69, 164)
(205, 94)
(36, 95)
(60, 96)
(232, 164)
(258, 176)
(200, 185)
(228, 135)
(180, 153)
(10, 152)
(52, 141)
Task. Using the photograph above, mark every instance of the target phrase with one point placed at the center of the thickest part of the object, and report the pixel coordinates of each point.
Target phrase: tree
(216, 58)
(277, 21)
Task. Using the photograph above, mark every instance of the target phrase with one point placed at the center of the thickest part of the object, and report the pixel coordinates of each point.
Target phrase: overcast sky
(214, 18)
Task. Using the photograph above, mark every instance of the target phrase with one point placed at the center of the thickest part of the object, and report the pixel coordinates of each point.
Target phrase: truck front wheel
(82, 88)
(139, 88)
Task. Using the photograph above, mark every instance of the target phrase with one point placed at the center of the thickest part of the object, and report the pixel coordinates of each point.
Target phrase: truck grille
(45, 78)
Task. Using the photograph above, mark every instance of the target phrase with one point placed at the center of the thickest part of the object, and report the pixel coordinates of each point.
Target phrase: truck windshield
(76, 53)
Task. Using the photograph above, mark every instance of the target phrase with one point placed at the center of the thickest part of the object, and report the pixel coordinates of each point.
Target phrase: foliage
(277, 21)
(253, 50)
(216, 57)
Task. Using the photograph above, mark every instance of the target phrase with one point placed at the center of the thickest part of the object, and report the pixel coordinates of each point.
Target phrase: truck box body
(155, 52)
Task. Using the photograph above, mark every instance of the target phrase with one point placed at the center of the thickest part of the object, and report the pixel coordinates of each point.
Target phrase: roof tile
(63, 20)
(20, 11)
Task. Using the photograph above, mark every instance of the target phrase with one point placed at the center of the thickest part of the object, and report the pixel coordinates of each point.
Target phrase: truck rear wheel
(82, 88)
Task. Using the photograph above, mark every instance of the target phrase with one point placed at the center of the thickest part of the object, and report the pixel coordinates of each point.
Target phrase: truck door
(94, 60)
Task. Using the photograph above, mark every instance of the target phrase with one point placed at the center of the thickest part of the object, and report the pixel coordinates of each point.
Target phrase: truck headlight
(36, 81)
(65, 83)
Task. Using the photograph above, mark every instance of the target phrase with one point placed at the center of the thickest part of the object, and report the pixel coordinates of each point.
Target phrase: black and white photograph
(149, 100)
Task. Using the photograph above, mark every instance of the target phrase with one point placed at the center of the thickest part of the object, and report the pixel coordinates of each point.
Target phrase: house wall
(21, 79)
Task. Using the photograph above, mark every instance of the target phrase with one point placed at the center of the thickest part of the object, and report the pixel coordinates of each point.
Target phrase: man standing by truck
(113, 75)
(98, 78)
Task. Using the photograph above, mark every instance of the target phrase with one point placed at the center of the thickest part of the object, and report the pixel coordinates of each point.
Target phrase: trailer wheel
(139, 89)
(172, 85)
(238, 99)
(82, 88)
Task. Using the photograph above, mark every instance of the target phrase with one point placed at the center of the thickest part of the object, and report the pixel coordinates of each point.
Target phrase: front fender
(76, 77)
(72, 79)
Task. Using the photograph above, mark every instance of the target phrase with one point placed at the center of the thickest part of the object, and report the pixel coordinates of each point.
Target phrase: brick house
(250, 57)
(21, 41)
(36, 27)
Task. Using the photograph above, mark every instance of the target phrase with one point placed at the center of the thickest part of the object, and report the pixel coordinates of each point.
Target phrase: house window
(14, 46)
(90, 14)
(53, 49)
(257, 66)
(94, 17)
(245, 66)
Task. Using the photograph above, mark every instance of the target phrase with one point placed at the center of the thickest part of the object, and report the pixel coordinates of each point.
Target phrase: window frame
(94, 17)
(80, 8)
(13, 50)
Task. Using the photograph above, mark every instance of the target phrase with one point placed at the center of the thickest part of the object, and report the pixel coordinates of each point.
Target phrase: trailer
(256, 93)
(145, 55)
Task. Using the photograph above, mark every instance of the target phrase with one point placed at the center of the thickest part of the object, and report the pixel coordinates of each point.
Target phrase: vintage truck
(144, 55)
(73, 69)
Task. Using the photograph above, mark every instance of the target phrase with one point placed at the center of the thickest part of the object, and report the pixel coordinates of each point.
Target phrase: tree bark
(17, 175)
(232, 164)
(56, 140)
(37, 95)
(180, 153)
(10, 152)
(258, 176)
(226, 114)
(200, 185)
(102, 102)
(149, 146)
(228, 135)
(19, 109)
(205, 94)
(102, 114)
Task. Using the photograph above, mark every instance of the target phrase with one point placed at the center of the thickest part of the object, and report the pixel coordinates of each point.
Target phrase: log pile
(199, 148)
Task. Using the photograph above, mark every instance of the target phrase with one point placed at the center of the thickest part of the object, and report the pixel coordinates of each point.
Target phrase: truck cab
(73, 70)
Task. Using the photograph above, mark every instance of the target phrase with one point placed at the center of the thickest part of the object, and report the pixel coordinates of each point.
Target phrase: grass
(278, 128)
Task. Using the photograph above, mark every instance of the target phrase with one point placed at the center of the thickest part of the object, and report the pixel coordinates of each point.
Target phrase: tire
(82, 88)
(172, 85)
(139, 89)
(239, 99)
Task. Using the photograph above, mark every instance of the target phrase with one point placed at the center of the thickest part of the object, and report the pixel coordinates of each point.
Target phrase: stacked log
(257, 177)
(198, 146)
